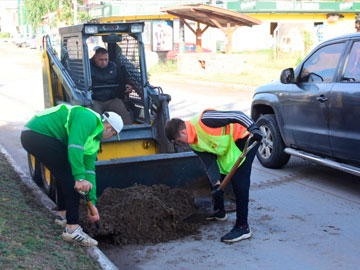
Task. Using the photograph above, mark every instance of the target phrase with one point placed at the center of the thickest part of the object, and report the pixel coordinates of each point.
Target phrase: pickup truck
(313, 112)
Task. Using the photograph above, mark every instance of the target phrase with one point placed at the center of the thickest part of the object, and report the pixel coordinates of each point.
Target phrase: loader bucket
(176, 170)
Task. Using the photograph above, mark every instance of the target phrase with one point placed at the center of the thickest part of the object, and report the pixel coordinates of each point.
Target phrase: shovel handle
(91, 208)
(88, 202)
(246, 149)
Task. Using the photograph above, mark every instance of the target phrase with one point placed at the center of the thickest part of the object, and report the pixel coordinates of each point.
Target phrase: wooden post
(198, 33)
(228, 39)
(198, 38)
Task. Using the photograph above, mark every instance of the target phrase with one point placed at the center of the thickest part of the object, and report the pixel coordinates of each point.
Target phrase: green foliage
(67, 12)
(260, 68)
(35, 9)
(307, 41)
(4, 35)
(83, 16)
(164, 67)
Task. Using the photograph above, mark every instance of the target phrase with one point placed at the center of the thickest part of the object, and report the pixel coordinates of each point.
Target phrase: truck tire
(271, 151)
(34, 169)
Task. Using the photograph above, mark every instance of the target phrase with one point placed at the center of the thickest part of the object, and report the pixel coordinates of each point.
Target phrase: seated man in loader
(103, 73)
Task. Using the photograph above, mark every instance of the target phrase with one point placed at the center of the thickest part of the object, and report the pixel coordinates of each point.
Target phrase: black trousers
(240, 181)
(54, 155)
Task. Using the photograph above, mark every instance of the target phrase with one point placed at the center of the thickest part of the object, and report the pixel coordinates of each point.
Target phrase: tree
(67, 12)
(35, 9)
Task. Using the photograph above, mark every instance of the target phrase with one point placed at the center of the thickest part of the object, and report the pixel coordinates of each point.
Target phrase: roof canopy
(207, 14)
(226, 20)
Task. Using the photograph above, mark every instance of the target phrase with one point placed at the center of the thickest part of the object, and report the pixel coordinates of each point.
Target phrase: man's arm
(216, 119)
(82, 124)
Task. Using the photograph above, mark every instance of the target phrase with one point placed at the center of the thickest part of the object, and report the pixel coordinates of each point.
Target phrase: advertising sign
(162, 36)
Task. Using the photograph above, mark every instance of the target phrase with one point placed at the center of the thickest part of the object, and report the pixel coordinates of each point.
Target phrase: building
(8, 16)
(286, 23)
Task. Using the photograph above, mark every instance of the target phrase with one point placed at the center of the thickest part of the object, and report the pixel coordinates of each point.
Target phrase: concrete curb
(94, 252)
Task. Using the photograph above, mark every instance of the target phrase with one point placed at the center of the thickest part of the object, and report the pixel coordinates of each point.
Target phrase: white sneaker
(79, 237)
(60, 220)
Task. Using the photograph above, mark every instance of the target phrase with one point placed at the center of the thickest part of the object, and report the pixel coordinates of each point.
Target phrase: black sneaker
(237, 233)
(219, 215)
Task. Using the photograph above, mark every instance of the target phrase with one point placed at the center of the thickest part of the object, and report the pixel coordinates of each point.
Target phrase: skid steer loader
(143, 155)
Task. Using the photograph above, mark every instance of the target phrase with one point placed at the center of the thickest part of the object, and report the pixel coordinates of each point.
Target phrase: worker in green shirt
(66, 139)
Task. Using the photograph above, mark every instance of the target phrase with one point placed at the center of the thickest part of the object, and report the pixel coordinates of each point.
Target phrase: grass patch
(164, 67)
(29, 239)
(260, 68)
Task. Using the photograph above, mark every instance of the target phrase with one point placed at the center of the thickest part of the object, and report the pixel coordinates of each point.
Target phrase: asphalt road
(304, 216)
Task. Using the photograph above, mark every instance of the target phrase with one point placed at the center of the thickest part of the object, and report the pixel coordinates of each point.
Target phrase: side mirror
(287, 76)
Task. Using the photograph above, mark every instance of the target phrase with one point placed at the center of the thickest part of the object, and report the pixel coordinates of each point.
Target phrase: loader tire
(34, 169)
(48, 183)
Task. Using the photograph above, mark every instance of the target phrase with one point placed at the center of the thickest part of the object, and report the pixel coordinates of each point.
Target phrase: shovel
(220, 191)
(91, 208)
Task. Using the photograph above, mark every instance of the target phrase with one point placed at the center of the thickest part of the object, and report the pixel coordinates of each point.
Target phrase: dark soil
(142, 214)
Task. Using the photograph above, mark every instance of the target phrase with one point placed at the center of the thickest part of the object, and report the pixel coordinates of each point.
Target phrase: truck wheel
(48, 183)
(34, 169)
(271, 151)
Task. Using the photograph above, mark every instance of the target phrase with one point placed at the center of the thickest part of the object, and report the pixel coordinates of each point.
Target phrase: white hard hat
(115, 121)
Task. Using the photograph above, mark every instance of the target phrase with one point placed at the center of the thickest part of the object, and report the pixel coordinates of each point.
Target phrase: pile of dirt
(142, 214)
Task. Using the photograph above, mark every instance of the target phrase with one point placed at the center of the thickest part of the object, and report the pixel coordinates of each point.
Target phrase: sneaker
(219, 215)
(79, 237)
(237, 233)
(60, 220)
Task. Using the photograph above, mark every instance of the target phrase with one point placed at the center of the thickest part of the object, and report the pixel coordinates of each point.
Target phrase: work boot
(60, 220)
(79, 237)
(219, 215)
(237, 233)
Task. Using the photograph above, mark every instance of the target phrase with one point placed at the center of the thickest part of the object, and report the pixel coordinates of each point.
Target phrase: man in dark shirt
(109, 88)
(218, 137)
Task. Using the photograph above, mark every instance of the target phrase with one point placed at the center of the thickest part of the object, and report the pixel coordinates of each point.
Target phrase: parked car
(31, 42)
(313, 111)
(188, 48)
(20, 40)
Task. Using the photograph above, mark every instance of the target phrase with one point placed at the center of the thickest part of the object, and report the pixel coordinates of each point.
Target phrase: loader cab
(67, 79)
(124, 45)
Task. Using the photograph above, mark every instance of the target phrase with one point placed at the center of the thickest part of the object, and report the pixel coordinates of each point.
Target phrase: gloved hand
(217, 194)
(256, 132)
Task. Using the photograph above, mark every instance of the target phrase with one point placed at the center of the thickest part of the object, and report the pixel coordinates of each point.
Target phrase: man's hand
(93, 218)
(83, 185)
(256, 132)
(128, 88)
(217, 194)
